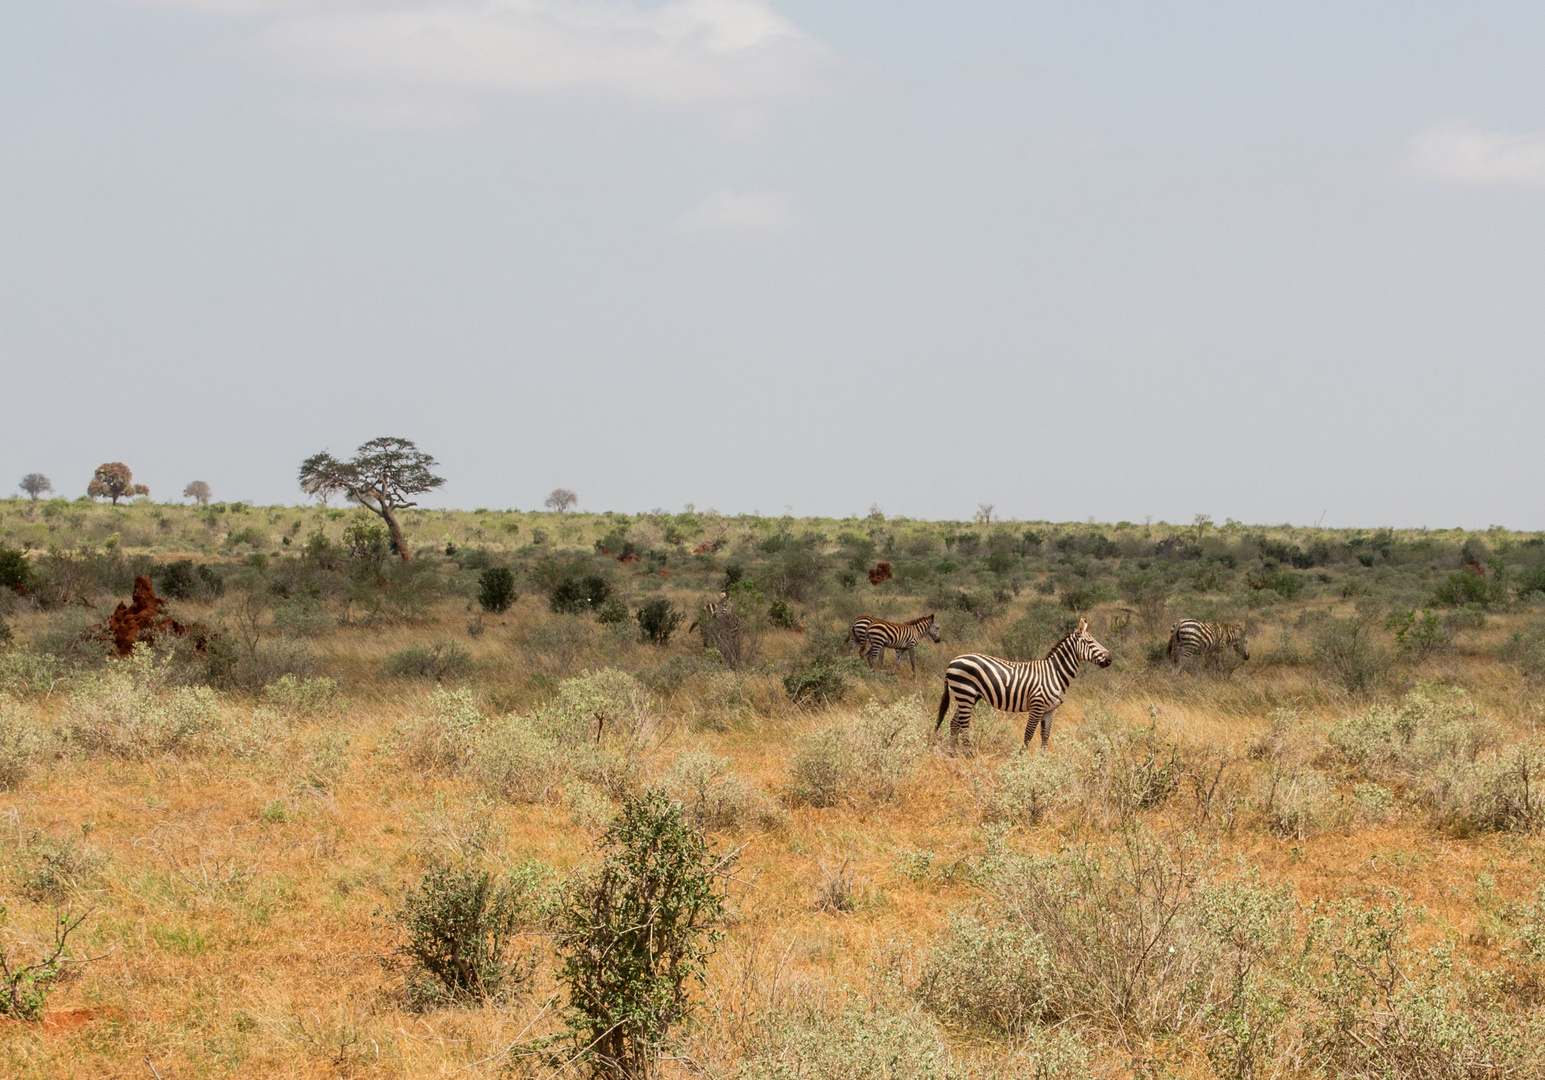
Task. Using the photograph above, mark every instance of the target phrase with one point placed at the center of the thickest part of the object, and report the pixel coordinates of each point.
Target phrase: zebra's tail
(944, 705)
(1174, 634)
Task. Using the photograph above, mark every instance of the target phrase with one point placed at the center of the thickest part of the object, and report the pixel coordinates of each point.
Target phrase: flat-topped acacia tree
(381, 477)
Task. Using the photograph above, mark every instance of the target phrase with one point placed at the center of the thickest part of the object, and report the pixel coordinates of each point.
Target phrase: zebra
(1205, 639)
(1037, 687)
(872, 635)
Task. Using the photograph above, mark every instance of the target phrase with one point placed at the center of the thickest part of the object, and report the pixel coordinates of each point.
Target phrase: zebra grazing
(1037, 687)
(1205, 639)
(872, 635)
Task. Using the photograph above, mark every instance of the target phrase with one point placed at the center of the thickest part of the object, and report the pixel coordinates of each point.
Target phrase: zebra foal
(871, 635)
(1037, 687)
(1205, 639)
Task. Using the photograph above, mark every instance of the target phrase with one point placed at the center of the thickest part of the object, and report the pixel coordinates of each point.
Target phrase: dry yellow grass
(241, 920)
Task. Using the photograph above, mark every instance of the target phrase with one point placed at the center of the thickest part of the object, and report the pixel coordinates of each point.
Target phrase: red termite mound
(880, 573)
(142, 621)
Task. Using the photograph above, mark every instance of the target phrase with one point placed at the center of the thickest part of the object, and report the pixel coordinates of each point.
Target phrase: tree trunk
(396, 531)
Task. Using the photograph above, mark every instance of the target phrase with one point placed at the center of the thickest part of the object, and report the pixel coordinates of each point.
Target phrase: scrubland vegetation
(503, 809)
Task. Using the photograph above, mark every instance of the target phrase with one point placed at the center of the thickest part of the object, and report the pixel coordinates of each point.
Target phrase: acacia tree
(560, 500)
(35, 484)
(113, 480)
(198, 491)
(380, 477)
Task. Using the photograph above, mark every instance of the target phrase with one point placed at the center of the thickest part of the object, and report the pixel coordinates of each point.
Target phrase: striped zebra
(872, 635)
(1037, 687)
(1205, 639)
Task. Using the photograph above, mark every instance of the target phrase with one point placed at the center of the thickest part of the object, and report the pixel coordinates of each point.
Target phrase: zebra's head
(1086, 648)
(931, 628)
(1234, 634)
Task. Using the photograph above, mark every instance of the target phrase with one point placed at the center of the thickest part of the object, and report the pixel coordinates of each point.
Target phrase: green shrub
(657, 620)
(128, 710)
(1526, 649)
(635, 936)
(1345, 652)
(1085, 595)
(823, 681)
(712, 798)
(1139, 937)
(868, 756)
(24, 988)
(445, 739)
(439, 660)
(496, 589)
(1029, 785)
(991, 975)
(458, 926)
(1416, 632)
(516, 762)
(578, 593)
(1032, 636)
(1465, 586)
(15, 570)
(781, 615)
(179, 581)
(21, 744)
(860, 1042)
(597, 729)
(612, 613)
(302, 697)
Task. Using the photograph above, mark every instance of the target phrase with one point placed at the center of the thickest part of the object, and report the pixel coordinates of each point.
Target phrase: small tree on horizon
(198, 491)
(36, 484)
(113, 480)
(560, 500)
(380, 477)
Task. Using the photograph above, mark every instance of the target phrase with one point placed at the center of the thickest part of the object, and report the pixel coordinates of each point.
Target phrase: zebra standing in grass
(1037, 687)
(1205, 639)
(872, 635)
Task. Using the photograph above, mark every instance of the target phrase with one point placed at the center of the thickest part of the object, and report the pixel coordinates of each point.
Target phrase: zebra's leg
(912, 656)
(1046, 726)
(960, 723)
(908, 652)
(876, 655)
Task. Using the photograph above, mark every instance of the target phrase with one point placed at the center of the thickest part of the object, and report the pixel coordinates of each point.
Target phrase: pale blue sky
(1120, 260)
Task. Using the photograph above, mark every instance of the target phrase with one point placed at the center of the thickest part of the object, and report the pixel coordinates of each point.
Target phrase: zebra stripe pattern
(1037, 687)
(872, 635)
(1194, 638)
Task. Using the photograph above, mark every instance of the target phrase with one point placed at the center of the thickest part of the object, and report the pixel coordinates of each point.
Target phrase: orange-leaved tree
(113, 480)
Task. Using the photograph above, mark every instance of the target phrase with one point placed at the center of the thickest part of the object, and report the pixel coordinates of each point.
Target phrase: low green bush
(635, 936)
(1345, 652)
(865, 757)
(303, 697)
(441, 660)
(496, 589)
(658, 620)
(822, 681)
(458, 924)
(578, 594)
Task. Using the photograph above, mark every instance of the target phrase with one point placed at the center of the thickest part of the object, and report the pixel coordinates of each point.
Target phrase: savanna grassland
(1324, 860)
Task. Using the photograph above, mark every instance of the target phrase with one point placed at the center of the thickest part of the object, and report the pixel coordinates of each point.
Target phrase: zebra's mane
(1063, 640)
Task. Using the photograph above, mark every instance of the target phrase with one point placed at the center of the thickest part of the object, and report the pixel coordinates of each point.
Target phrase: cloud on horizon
(1457, 153)
(681, 53)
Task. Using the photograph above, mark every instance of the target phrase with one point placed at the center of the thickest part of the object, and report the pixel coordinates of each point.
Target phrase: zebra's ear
(1083, 624)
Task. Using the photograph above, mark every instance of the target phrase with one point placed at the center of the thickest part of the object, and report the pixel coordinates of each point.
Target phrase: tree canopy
(35, 484)
(113, 480)
(382, 476)
(198, 491)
